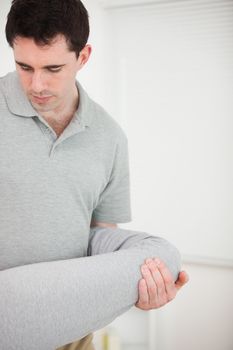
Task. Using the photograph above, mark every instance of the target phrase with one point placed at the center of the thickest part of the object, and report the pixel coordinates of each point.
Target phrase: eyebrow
(47, 67)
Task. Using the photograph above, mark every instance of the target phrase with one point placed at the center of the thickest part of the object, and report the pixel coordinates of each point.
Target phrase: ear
(84, 55)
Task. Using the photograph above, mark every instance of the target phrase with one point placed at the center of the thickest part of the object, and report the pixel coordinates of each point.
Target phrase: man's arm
(46, 305)
(101, 224)
(157, 286)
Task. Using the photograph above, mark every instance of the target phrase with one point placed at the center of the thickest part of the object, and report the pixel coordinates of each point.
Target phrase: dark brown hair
(42, 20)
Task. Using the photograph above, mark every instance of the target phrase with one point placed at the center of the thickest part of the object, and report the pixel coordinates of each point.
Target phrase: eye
(26, 68)
(54, 69)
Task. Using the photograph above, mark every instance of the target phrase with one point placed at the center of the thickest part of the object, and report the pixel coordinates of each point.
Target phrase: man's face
(47, 73)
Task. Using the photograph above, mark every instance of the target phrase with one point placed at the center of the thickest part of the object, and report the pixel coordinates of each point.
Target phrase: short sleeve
(114, 202)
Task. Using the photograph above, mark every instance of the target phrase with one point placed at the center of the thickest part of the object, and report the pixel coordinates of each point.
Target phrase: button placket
(49, 136)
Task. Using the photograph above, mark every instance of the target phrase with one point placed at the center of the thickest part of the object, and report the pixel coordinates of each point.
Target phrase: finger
(156, 275)
(168, 280)
(151, 285)
(183, 278)
(143, 293)
(161, 296)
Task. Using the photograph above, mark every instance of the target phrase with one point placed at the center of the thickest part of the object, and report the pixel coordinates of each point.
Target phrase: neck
(64, 111)
(61, 116)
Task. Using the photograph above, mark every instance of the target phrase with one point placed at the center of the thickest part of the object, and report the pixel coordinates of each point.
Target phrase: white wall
(170, 85)
(7, 62)
(93, 74)
(201, 316)
(170, 78)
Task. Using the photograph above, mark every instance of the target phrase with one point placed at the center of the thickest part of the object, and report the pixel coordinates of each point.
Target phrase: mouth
(41, 100)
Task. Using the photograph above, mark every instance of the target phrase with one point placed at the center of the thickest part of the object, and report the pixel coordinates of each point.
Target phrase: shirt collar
(19, 104)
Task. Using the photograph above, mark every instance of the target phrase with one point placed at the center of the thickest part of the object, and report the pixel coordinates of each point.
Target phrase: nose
(37, 82)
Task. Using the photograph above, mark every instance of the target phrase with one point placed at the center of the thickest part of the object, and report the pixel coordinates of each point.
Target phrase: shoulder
(3, 90)
(99, 120)
(106, 125)
(7, 85)
(7, 80)
(2, 84)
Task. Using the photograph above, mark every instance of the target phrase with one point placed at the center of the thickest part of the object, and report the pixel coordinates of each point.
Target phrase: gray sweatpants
(50, 304)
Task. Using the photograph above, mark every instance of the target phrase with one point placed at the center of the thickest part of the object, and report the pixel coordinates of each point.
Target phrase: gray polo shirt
(51, 187)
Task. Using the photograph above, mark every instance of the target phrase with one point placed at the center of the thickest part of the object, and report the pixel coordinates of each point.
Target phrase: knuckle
(152, 267)
(161, 264)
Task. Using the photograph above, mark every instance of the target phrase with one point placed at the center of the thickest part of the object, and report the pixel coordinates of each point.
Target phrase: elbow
(167, 252)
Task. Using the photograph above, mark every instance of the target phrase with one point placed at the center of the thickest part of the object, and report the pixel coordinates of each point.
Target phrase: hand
(157, 286)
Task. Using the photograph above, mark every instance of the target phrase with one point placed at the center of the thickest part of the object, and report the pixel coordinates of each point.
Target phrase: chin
(42, 107)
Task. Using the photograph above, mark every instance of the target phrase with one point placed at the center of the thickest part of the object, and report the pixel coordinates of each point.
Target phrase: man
(67, 269)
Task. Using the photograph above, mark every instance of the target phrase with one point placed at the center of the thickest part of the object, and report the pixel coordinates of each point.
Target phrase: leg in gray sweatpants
(50, 304)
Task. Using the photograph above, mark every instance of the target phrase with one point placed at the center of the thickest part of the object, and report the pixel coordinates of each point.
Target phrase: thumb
(183, 278)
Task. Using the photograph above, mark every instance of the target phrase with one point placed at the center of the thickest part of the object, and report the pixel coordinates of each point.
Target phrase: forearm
(46, 305)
